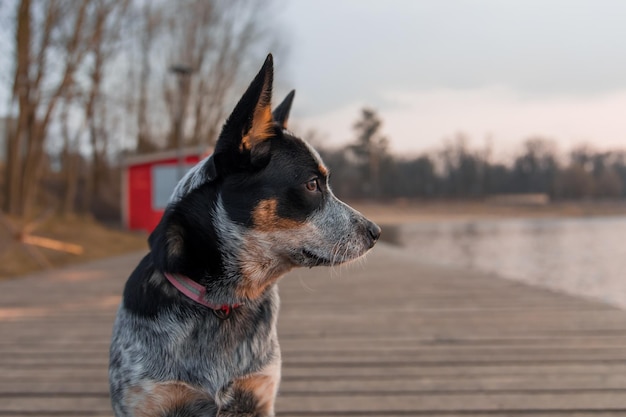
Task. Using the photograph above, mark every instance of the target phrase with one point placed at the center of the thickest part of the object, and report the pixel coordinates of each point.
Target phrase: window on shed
(164, 180)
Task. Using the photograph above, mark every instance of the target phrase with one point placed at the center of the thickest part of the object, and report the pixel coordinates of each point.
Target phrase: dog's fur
(237, 222)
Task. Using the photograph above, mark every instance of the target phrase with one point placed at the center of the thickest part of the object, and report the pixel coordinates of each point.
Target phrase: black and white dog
(195, 334)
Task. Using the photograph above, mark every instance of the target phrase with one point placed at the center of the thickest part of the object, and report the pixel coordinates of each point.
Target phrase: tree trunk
(151, 21)
(21, 84)
(71, 184)
(70, 161)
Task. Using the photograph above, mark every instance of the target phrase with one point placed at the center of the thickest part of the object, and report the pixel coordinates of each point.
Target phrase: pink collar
(197, 293)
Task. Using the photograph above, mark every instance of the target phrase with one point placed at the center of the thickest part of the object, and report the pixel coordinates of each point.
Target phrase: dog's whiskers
(333, 257)
(304, 285)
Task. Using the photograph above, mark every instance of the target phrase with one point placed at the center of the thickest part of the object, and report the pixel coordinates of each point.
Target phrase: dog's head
(260, 205)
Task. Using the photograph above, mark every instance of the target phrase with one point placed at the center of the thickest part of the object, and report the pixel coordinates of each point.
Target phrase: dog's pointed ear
(250, 123)
(281, 113)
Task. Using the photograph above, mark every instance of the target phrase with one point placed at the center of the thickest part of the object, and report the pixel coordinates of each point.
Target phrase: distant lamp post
(182, 72)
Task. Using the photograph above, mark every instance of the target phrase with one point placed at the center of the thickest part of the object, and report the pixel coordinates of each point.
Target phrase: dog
(195, 334)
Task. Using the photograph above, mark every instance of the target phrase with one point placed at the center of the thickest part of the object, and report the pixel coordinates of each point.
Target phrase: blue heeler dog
(195, 334)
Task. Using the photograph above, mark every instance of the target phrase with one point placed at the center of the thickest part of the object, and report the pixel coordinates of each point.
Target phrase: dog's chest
(200, 350)
(212, 356)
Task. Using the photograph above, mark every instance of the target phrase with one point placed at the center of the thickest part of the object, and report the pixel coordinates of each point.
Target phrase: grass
(97, 240)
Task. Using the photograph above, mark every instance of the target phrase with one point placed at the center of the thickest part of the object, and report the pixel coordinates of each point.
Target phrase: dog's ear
(281, 113)
(167, 243)
(244, 135)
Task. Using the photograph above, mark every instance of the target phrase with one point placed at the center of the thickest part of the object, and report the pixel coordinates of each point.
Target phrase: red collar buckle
(223, 312)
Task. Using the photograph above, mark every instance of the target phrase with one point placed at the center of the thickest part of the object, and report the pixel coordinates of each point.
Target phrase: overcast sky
(503, 69)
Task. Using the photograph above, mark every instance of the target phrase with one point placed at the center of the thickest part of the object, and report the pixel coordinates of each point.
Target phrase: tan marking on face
(266, 218)
(323, 170)
(153, 399)
(260, 266)
(263, 385)
(261, 129)
(264, 257)
(250, 286)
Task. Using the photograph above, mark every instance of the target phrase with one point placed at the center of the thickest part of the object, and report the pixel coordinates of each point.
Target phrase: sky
(498, 71)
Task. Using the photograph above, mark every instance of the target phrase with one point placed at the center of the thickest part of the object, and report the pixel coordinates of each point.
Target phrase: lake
(582, 256)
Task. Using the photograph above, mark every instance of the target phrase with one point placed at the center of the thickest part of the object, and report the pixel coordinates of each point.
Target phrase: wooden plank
(445, 383)
(410, 357)
(453, 403)
(482, 413)
(69, 404)
(358, 402)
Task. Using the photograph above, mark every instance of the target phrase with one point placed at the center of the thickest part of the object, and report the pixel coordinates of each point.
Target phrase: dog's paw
(234, 412)
(241, 404)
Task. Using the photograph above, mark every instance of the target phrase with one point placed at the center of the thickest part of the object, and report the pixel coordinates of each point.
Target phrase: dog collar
(196, 292)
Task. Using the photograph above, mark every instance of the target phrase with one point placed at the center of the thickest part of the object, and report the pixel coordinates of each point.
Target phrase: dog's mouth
(310, 259)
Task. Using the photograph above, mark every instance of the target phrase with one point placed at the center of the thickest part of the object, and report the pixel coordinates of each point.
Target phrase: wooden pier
(387, 337)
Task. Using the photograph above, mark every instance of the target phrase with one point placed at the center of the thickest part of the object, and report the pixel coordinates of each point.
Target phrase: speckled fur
(236, 223)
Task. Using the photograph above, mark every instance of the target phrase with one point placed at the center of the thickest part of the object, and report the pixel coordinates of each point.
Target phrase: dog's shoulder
(145, 292)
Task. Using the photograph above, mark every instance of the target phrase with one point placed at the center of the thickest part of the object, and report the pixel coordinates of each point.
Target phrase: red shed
(147, 183)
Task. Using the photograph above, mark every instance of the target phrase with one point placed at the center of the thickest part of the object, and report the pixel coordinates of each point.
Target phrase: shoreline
(405, 212)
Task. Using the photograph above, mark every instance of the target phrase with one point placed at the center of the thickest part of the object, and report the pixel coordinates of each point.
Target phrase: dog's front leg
(252, 395)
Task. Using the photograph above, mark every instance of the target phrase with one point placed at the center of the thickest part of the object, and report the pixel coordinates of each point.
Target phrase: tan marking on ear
(157, 279)
(154, 399)
(266, 218)
(261, 129)
(263, 386)
(174, 239)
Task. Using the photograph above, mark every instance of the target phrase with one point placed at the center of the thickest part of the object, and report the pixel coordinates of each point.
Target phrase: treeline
(92, 78)
(366, 169)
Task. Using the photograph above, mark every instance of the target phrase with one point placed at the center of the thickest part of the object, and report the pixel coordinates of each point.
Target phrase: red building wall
(140, 213)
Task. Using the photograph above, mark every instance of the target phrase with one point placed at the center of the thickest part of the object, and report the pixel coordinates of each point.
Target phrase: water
(585, 256)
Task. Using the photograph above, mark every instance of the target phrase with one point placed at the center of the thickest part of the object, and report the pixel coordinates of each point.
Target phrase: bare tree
(58, 44)
(70, 156)
(36, 92)
(370, 148)
(215, 40)
(102, 44)
(150, 21)
(535, 169)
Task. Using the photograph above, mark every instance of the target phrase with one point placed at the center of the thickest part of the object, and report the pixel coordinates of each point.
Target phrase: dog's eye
(312, 185)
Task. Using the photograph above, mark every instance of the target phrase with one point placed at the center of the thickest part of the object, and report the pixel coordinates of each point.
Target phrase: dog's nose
(374, 231)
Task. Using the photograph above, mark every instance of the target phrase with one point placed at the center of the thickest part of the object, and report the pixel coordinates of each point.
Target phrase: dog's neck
(247, 259)
(197, 293)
